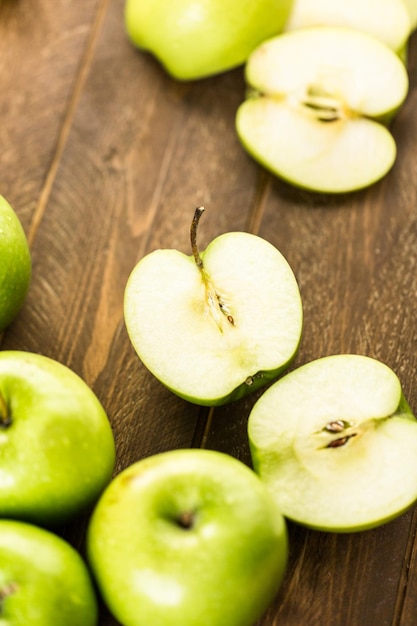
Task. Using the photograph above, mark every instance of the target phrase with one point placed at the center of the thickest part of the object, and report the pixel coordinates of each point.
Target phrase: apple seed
(325, 106)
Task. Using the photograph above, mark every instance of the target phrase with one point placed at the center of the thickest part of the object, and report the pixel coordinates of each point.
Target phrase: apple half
(388, 20)
(336, 443)
(318, 98)
(214, 326)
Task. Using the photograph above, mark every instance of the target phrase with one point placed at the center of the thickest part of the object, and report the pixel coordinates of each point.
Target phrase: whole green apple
(188, 537)
(15, 264)
(57, 446)
(43, 579)
(215, 326)
(197, 38)
(336, 443)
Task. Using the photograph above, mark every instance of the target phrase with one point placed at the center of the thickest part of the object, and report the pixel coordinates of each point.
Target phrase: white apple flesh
(387, 20)
(336, 443)
(319, 95)
(215, 326)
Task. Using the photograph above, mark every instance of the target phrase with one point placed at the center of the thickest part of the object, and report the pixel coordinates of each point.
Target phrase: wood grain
(104, 158)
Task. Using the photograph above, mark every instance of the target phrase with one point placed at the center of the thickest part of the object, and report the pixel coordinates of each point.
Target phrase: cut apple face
(215, 326)
(411, 6)
(387, 20)
(336, 443)
(317, 102)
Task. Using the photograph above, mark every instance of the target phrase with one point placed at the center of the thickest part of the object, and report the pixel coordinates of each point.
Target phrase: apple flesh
(216, 326)
(15, 264)
(198, 38)
(187, 537)
(336, 443)
(57, 446)
(43, 579)
(319, 95)
(387, 20)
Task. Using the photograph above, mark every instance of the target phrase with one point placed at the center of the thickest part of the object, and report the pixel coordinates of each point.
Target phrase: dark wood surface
(104, 157)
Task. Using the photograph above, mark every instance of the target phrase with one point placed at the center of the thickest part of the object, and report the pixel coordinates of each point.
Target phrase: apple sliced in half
(336, 442)
(216, 325)
(319, 96)
(388, 20)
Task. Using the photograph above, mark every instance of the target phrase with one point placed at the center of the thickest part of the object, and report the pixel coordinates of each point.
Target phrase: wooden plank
(41, 51)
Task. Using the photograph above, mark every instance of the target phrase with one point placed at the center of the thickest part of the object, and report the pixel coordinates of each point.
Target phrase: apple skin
(15, 264)
(57, 446)
(197, 38)
(43, 579)
(188, 537)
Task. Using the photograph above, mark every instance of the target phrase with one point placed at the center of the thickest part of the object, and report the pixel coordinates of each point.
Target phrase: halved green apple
(214, 326)
(336, 442)
(388, 20)
(411, 6)
(319, 95)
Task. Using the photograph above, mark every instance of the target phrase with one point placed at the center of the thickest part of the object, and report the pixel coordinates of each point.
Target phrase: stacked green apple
(216, 325)
(320, 102)
(200, 38)
(15, 264)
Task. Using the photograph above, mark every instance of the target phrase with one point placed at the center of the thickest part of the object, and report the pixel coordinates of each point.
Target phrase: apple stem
(186, 520)
(193, 235)
(217, 305)
(5, 417)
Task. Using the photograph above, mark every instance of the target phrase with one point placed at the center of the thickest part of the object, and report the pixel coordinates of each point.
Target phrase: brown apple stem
(216, 304)
(5, 417)
(193, 236)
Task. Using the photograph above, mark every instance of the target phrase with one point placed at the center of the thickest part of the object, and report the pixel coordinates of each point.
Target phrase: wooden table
(104, 158)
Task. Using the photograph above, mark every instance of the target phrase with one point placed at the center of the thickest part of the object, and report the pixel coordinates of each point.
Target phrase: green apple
(214, 326)
(388, 20)
(336, 443)
(197, 38)
(15, 264)
(319, 95)
(43, 579)
(56, 443)
(188, 537)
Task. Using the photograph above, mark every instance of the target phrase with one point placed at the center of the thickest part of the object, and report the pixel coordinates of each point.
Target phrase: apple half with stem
(336, 443)
(388, 20)
(218, 324)
(57, 449)
(318, 98)
(43, 580)
(194, 39)
(15, 264)
(187, 537)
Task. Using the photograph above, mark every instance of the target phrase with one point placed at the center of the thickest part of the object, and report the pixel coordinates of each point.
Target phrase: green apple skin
(15, 264)
(197, 38)
(188, 537)
(57, 446)
(43, 579)
(336, 443)
(174, 335)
